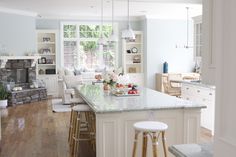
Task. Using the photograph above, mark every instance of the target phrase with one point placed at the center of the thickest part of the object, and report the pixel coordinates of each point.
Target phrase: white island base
(115, 133)
(115, 117)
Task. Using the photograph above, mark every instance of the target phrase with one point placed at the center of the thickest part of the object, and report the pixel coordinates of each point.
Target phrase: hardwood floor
(33, 130)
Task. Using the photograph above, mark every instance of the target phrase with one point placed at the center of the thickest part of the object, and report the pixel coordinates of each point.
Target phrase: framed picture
(132, 70)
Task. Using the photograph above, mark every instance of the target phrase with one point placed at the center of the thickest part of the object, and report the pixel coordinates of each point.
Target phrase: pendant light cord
(187, 26)
(128, 15)
(101, 29)
(112, 16)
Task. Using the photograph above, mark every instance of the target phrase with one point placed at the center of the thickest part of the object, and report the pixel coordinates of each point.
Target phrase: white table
(115, 117)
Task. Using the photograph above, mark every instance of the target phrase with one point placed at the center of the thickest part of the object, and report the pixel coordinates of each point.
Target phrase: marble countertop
(192, 150)
(199, 84)
(102, 102)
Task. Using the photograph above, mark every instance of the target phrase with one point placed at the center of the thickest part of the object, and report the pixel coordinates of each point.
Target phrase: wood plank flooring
(33, 130)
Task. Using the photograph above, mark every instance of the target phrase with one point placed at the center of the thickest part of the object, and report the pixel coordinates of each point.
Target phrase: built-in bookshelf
(133, 57)
(47, 50)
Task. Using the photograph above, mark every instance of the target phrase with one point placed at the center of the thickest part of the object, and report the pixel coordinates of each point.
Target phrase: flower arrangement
(110, 78)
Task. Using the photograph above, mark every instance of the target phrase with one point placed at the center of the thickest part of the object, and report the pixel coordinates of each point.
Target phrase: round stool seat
(81, 108)
(151, 126)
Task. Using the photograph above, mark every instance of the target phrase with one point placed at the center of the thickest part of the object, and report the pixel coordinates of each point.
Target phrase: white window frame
(78, 41)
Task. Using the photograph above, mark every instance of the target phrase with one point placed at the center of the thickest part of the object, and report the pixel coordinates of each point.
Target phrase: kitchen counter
(115, 117)
(192, 150)
(148, 99)
(196, 83)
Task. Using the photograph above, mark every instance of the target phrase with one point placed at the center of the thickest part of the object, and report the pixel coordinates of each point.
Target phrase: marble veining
(192, 150)
(102, 102)
(199, 84)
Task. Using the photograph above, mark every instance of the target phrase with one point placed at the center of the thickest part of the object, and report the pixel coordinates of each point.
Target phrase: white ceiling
(171, 9)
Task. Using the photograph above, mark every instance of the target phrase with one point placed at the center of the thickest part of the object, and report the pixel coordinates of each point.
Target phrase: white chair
(154, 129)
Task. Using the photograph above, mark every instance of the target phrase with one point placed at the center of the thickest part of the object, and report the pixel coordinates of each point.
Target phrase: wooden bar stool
(154, 130)
(79, 130)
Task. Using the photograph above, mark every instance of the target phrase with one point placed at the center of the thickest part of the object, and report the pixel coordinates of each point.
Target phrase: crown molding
(89, 18)
(18, 12)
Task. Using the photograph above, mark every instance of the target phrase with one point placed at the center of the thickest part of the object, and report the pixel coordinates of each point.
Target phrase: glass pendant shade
(101, 40)
(128, 34)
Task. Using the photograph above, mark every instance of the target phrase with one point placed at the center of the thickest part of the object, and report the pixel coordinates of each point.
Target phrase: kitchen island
(115, 117)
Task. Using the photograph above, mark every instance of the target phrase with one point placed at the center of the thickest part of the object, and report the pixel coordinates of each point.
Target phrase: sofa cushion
(69, 72)
(73, 81)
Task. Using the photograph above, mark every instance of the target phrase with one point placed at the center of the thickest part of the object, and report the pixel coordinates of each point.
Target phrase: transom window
(80, 48)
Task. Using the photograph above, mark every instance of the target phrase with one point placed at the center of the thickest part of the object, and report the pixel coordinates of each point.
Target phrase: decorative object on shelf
(137, 59)
(46, 39)
(17, 89)
(101, 40)
(43, 60)
(50, 71)
(49, 61)
(41, 71)
(3, 96)
(132, 70)
(128, 51)
(46, 50)
(134, 50)
(113, 37)
(165, 67)
(128, 33)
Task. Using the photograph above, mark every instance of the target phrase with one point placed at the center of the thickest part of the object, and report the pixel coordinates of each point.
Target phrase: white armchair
(67, 89)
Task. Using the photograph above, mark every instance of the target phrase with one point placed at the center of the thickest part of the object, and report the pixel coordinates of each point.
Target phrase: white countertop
(149, 99)
(199, 84)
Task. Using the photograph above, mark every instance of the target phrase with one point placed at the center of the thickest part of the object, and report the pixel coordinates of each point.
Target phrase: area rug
(58, 106)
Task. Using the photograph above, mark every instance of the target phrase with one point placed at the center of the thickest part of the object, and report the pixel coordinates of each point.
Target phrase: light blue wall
(55, 24)
(17, 33)
(162, 37)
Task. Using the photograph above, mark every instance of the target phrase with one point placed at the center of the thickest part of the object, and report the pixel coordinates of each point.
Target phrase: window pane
(87, 52)
(70, 31)
(70, 53)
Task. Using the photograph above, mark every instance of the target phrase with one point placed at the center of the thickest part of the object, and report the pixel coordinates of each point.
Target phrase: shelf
(133, 63)
(47, 54)
(134, 43)
(46, 42)
(133, 54)
(46, 64)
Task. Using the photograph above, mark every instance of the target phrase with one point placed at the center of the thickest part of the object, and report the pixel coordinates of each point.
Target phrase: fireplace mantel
(4, 59)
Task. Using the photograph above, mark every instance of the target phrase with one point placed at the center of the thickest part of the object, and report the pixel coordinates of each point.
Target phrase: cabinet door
(51, 84)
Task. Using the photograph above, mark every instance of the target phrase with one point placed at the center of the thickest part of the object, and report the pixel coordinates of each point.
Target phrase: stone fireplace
(21, 72)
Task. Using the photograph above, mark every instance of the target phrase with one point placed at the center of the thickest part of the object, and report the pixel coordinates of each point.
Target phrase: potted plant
(3, 97)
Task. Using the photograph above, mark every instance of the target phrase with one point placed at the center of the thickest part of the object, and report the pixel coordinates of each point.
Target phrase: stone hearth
(27, 96)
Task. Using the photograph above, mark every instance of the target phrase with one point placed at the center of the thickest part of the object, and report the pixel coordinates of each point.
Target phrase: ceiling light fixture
(113, 37)
(128, 34)
(101, 40)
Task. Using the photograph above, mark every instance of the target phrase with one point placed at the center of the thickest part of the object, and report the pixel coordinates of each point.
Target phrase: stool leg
(135, 143)
(76, 137)
(70, 127)
(154, 144)
(144, 153)
(164, 143)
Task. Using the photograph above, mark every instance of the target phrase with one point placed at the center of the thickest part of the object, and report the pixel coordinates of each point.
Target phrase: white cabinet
(51, 82)
(205, 96)
(133, 58)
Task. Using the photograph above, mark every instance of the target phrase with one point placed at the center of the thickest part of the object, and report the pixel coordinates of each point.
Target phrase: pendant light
(113, 37)
(187, 38)
(101, 40)
(128, 33)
